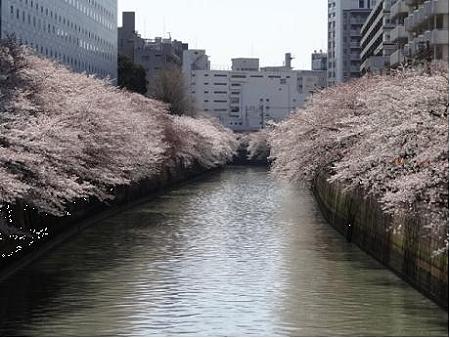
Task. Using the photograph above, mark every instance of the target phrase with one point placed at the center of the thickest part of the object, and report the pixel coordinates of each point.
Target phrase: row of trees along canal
(67, 137)
(68, 140)
(375, 151)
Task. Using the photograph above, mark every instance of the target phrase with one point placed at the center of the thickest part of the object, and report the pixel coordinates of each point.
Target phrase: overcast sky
(237, 28)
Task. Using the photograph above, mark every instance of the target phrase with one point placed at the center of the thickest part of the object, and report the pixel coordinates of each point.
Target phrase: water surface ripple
(235, 254)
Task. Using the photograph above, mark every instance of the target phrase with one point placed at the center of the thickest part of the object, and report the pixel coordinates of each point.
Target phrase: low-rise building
(247, 97)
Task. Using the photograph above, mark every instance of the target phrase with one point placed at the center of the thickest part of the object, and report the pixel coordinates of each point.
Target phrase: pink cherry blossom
(387, 135)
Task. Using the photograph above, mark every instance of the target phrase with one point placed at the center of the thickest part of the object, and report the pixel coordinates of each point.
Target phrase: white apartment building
(345, 20)
(246, 98)
(376, 44)
(398, 35)
(79, 33)
(402, 31)
(427, 28)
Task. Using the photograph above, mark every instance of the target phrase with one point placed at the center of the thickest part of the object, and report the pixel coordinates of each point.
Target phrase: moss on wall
(399, 242)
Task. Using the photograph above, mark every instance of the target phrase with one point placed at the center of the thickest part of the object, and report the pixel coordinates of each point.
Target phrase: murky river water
(233, 254)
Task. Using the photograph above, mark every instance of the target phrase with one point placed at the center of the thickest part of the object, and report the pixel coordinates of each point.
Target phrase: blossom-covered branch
(387, 135)
(67, 136)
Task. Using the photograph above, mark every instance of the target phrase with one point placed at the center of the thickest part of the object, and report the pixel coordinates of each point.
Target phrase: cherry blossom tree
(387, 135)
(67, 136)
(258, 147)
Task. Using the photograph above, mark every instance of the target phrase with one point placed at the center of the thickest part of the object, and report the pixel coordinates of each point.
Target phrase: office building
(376, 44)
(79, 33)
(345, 20)
(247, 97)
(153, 54)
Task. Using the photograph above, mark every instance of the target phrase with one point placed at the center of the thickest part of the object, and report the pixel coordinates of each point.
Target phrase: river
(235, 253)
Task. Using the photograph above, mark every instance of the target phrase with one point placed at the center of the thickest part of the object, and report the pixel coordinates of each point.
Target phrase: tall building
(427, 28)
(247, 97)
(79, 33)
(153, 54)
(376, 44)
(345, 20)
(401, 31)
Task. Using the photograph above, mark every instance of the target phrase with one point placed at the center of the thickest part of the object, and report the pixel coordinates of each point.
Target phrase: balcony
(397, 58)
(425, 12)
(417, 46)
(374, 64)
(398, 33)
(398, 9)
(366, 45)
(437, 37)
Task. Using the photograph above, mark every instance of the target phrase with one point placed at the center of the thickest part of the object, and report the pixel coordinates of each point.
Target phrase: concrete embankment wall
(407, 250)
(82, 215)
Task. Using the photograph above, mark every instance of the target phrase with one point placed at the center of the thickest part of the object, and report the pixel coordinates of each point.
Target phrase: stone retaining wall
(82, 215)
(407, 250)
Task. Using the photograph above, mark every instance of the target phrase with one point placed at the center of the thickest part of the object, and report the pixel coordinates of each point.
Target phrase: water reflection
(234, 254)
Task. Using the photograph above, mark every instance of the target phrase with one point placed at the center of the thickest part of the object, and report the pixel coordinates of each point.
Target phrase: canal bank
(235, 253)
(399, 242)
(38, 233)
